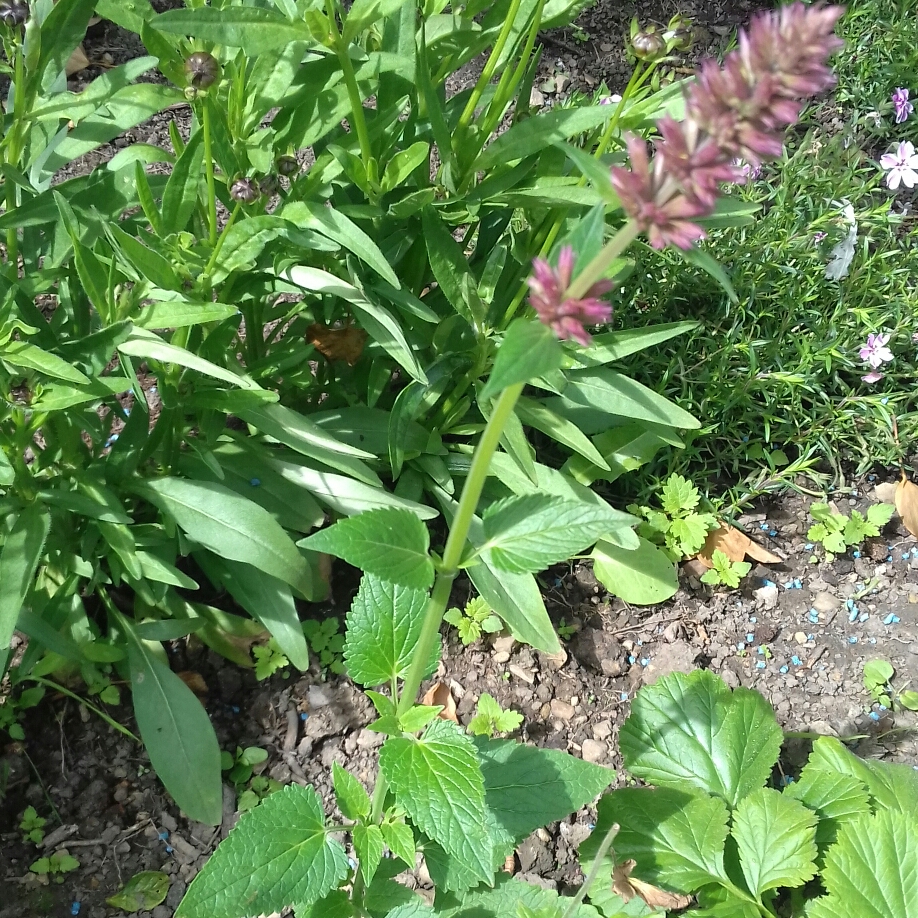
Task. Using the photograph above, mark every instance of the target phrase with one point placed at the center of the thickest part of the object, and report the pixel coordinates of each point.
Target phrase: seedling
(726, 572)
(327, 642)
(11, 709)
(259, 787)
(837, 532)
(878, 675)
(241, 765)
(55, 866)
(680, 527)
(32, 826)
(492, 719)
(268, 659)
(471, 623)
(566, 631)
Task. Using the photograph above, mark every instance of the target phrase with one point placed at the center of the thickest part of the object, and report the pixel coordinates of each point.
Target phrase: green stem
(12, 157)
(358, 117)
(209, 171)
(489, 68)
(212, 263)
(604, 846)
(65, 691)
(603, 261)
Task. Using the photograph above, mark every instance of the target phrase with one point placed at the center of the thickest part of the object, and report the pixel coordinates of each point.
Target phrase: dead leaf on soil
(626, 886)
(907, 504)
(337, 343)
(194, 681)
(78, 61)
(735, 545)
(439, 694)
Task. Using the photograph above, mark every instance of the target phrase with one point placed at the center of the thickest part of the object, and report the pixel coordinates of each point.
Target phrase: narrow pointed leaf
(19, 557)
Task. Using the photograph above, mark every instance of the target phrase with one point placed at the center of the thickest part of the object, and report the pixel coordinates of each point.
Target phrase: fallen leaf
(78, 61)
(735, 545)
(439, 694)
(337, 343)
(626, 886)
(907, 504)
(194, 681)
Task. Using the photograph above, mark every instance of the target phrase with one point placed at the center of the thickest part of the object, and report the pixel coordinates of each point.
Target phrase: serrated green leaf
(691, 730)
(19, 558)
(689, 532)
(418, 717)
(870, 871)
(177, 733)
(676, 838)
(679, 494)
(529, 349)
(230, 526)
(369, 845)
(510, 894)
(644, 576)
(389, 543)
(880, 514)
(529, 532)
(438, 782)
(835, 798)
(383, 627)
(400, 839)
(890, 785)
(350, 794)
(775, 836)
(280, 853)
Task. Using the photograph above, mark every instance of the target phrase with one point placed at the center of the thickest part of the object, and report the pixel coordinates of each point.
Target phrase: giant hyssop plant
(360, 322)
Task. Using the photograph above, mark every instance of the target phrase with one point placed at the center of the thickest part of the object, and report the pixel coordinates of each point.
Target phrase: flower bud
(680, 36)
(244, 190)
(14, 12)
(202, 69)
(648, 44)
(287, 165)
(268, 185)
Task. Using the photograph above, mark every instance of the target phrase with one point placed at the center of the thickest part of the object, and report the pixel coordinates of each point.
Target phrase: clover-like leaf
(383, 627)
(692, 731)
(279, 854)
(870, 871)
(437, 780)
(775, 836)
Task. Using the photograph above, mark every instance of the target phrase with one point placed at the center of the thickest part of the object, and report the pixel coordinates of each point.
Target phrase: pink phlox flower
(819, 236)
(901, 166)
(875, 352)
(565, 315)
(901, 105)
(873, 377)
(915, 337)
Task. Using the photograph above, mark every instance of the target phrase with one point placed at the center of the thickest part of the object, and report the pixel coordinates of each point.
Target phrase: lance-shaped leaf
(279, 854)
(390, 543)
(530, 349)
(383, 627)
(529, 532)
(22, 550)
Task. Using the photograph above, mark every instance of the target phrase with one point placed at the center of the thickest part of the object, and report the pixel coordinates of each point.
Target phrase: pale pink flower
(872, 377)
(875, 352)
(565, 315)
(901, 105)
(901, 166)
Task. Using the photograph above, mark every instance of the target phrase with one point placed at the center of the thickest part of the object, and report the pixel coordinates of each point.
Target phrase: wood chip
(439, 694)
(736, 545)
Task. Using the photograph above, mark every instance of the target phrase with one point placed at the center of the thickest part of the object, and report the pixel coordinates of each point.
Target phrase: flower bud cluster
(740, 110)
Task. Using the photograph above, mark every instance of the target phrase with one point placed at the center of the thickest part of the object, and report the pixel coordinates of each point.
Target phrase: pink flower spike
(872, 377)
(901, 166)
(564, 315)
(902, 106)
(875, 352)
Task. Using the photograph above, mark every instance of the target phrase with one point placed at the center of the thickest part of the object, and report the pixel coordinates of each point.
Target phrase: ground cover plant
(776, 372)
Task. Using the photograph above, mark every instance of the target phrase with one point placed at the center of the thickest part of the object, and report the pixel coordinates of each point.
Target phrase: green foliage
(268, 659)
(144, 890)
(878, 675)
(327, 642)
(55, 866)
(32, 826)
(12, 706)
(680, 527)
(492, 719)
(726, 572)
(738, 845)
(473, 621)
(838, 532)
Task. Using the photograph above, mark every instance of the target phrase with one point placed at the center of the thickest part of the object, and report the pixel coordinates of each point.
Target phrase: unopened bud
(244, 190)
(268, 185)
(14, 12)
(680, 35)
(287, 165)
(648, 44)
(202, 69)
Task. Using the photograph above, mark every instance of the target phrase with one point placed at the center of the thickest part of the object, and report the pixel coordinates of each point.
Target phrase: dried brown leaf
(439, 694)
(735, 545)
(78, 61)
(194, 681)
(337, 343)
(907, 504)
(626, 886)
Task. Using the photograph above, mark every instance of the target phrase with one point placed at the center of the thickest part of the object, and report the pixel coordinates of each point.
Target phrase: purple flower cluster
(903, 108)
(739, 110)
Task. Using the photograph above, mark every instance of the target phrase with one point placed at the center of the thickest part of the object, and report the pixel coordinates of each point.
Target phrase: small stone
(521, 673)
(504, 643)
(593, 751)
(800, 637)
(501, 657)
(561, 710)
(767, 595)
(536, 99)
(602, 730)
